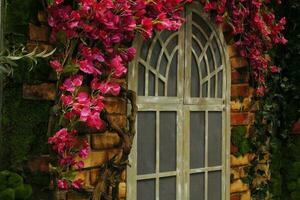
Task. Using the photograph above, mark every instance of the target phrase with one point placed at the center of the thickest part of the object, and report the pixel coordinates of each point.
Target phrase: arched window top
(188, 64)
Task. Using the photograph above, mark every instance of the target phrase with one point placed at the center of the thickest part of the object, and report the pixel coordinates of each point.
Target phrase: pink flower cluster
(255, 24)
(96, 38)
(69, 148)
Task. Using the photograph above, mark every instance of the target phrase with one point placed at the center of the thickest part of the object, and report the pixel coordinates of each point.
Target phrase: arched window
(181, 150)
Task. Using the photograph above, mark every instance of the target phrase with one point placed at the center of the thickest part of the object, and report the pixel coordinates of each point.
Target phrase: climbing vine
(94, 41)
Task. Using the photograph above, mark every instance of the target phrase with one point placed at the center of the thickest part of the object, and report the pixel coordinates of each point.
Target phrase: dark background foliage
(24, 122)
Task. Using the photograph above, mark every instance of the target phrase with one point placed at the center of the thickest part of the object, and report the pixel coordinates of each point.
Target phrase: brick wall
(107, 145)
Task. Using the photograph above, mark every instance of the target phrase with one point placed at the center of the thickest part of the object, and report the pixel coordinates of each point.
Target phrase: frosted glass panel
(210, 60)
(199, 20)
(172, 44)
(151, 84)
(214, 138)
(196, 47)
(168, 140)
(167, 188)
(197, 139)
(141, 81)
(172, 77)
(205, 90)
(161, 88)
(214, 185)
(212, 86)
(220, 84)
(146, 190)
(197, 187)
(155, 54)
(203, 68)
(163, 65)
(217, 52)
(195, 79)
(199, 35)
(146, 142)
(145, 49)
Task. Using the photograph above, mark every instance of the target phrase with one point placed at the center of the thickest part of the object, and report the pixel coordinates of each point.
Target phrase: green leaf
(71, 69)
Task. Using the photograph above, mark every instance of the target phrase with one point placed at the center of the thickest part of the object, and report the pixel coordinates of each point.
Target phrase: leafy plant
(12, 187)
(8, 59)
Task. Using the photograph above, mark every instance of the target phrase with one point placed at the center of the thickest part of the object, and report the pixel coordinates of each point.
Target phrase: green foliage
(24, 125)
(23, 191)
(239, 139)
(8, 59)
(12, 187)
(7, 194)
(17, 20)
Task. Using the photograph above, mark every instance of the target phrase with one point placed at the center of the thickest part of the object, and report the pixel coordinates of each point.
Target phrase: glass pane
(205, 89)
(172, 44)
(199, 20)
(161, 88)
(167, 188)
(167, 146)
(145, 49)
(146, 190)
(146, 142)
(141, 81)
(214, 138)
(220, 84)
(196, 47)
(203, 68)
(163, 65)
(199, 35)
(172, 77)
(197, 187)
(151, 91)
(214, 185)
(164, 35)
(217, 52)
(210, 60)
(212, 86)
(197, 139)
(155, 54)
(195, 79)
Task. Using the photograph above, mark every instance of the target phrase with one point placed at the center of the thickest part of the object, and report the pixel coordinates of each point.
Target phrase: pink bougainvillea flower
(67, 100)
(72, 83)
(117, 66)
(275, 69)
(56, 65)
(62, 184)
(86, 66)
(83, 153)
(79, 164)
(77, 184)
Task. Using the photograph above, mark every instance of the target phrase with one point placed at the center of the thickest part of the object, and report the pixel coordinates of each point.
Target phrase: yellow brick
(238, 186)
(241, 160)
(238, 173)
(115, 105)
(238, 62)
(246, 195)
(95, 158)
(120, 120)
(104, 141)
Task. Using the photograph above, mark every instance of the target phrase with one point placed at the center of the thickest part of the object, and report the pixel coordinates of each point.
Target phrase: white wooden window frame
(183, 104)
